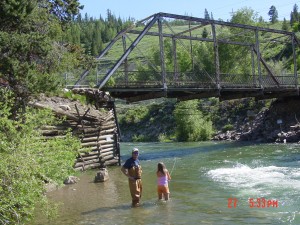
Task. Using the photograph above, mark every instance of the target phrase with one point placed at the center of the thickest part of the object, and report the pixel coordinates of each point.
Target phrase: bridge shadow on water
(186, 151)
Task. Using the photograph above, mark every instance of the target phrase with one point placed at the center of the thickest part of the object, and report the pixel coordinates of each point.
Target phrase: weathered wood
(91, 166)
(96, 152)
(105, 142)
(88, 129)
(102, 155)
(57, 111)
(88, 144)
(94, 146)
(96, 133)
(95, 138)
(105, 146)
(110, 131)
(86, 135)
(86, 158)
(106, 136)
(106, 123)
(111, 162)
(95, 143)
(89, 139)
(88, 162)
(108, 127)
(107, 150)
(108, 157)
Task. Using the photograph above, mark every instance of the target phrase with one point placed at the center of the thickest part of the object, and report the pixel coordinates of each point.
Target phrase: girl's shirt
(162, 179)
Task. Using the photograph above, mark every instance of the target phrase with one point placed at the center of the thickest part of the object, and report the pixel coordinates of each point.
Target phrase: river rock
(102, 175)
(71, 180)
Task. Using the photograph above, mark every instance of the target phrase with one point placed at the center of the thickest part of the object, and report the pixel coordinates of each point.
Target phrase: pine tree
(285, 25)
(204, 33)
(29, 40)
(294, 15)
(273, 13)
(206, 15)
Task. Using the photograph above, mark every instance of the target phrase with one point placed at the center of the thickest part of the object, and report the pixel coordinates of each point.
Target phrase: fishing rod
(173, 166)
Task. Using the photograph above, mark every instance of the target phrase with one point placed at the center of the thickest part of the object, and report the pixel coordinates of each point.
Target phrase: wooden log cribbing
(102, 155)
(105, 158)
(86, 167)
(109, 131)
(87, 158)
(94, 148)
(107, 137)
(96, 129)
(111, 162)
(94, 155)
(91, 161)
(97, 149)
(95, 143)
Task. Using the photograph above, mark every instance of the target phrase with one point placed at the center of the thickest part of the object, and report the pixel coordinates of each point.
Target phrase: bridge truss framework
(133, 76)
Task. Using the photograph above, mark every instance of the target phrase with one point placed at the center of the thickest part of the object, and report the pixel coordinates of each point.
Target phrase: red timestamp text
(254, 203)
(262, 203)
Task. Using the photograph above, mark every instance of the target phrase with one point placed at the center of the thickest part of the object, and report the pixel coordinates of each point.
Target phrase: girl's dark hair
(161, 168)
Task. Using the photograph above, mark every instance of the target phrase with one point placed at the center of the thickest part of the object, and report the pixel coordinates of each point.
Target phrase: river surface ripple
(212, 183)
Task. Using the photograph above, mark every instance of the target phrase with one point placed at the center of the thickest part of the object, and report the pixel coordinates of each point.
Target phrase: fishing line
(173, 166)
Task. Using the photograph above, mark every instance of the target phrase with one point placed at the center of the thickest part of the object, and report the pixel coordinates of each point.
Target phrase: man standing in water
(133, 170)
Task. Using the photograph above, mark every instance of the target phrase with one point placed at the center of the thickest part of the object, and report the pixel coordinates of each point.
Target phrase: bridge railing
(152, 79)
(237, 80)
(288, 80)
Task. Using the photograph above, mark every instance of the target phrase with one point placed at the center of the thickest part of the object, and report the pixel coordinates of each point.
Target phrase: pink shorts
(163, 189)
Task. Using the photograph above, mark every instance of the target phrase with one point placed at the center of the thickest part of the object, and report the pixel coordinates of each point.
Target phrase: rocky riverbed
(279, 123)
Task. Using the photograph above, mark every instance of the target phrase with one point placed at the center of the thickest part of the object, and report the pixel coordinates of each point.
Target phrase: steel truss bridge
(184, 57)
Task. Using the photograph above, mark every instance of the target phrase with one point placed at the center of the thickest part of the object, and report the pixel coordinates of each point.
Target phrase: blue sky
(221, 9)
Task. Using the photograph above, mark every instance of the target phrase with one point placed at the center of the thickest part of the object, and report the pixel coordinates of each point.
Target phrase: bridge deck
(132, 94)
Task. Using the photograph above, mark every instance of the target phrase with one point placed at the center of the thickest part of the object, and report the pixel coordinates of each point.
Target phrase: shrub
(28, 161)
(191, 125)
(227, 127)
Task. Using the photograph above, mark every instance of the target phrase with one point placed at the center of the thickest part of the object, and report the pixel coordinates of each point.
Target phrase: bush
(136, 115)
(191, 125)
(28, 161)
(227, 127)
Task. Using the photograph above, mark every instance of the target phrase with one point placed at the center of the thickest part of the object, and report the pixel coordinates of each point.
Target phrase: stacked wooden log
(97, 130)
(99, 144)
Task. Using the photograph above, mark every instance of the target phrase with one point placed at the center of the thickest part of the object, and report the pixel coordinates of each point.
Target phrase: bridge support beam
(258, 58)
(175, 59)
(295, 63)
(216, 51)
(125, 61)
(162, 54)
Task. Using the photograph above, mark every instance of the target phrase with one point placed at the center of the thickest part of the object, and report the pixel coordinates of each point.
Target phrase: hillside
(157, 121)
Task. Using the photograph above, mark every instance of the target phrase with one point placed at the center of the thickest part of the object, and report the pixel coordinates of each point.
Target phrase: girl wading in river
(163, 177)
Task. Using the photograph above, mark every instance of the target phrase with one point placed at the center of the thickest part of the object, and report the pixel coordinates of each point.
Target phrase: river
(212, 183)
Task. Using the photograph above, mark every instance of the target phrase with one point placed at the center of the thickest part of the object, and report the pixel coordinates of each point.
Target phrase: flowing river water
(212, 183)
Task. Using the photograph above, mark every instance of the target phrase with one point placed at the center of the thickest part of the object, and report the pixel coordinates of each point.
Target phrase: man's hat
(135, 150)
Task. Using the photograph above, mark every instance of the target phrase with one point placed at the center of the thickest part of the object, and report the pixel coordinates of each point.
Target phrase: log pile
(97, 129)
